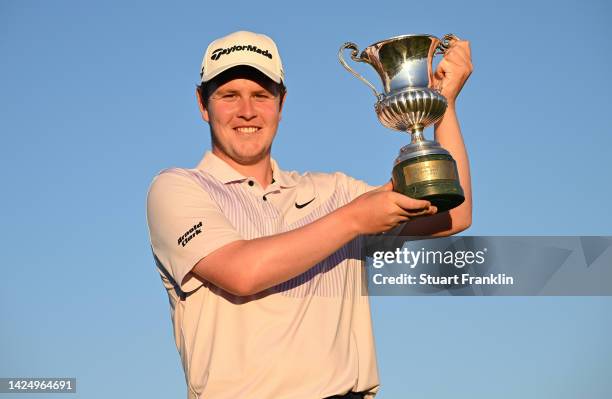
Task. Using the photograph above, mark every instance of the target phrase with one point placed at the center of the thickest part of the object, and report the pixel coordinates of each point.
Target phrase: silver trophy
(410, 103)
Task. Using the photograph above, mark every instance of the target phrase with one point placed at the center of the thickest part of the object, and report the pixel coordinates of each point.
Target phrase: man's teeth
(247, 129)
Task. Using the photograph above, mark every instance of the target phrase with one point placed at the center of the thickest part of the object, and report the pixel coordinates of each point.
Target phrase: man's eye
(262, 96)
(227, 96)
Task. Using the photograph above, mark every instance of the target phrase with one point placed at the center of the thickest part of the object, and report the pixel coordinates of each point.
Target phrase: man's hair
(206, 88)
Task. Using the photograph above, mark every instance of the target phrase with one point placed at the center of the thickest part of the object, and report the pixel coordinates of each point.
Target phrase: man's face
(243, 113)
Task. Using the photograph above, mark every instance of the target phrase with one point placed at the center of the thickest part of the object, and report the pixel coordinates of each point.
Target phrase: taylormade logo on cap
(216, 54)
(242, 48)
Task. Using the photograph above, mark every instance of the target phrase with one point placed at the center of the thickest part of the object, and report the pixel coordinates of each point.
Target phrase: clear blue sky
(97, 97)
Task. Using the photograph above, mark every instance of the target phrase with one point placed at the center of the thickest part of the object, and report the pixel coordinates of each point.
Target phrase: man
(262, 265)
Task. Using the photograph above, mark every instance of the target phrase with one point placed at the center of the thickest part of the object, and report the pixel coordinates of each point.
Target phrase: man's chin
(244, 157)
(250, 159)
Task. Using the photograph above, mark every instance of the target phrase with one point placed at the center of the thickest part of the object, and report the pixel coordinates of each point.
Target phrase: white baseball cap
(242, 48)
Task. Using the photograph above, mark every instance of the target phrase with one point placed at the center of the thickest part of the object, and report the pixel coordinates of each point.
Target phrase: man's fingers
(422, 212)
(465, 46)
(458, 54)
(411, 204)
(406, 215)
(462, 45)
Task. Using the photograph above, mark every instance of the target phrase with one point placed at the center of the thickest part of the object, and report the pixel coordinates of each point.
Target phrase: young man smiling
(267, 295)
(243, 108)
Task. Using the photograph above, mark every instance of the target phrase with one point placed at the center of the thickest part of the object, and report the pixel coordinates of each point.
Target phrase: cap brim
(274, 77)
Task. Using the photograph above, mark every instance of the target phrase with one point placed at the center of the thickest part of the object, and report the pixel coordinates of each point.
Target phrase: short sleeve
(185, 225)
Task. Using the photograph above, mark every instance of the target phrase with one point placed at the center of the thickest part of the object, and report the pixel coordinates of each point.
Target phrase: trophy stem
(417, 135)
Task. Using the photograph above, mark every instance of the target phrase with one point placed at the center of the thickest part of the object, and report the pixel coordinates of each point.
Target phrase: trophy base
(430, 177)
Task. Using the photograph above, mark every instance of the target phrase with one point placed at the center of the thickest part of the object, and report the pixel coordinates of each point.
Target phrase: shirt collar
(219, 169)
(284, 179)
(223, 172)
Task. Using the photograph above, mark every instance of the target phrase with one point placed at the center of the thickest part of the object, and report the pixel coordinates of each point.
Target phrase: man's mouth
(247, 129)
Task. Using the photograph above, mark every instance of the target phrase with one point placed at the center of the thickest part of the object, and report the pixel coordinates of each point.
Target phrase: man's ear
(203, 109)
(282, 104)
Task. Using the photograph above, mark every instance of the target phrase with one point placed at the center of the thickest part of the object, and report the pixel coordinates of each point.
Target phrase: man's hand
(382, 209)
(454, 70)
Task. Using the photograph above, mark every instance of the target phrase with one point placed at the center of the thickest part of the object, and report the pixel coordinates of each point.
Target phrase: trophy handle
(441, 49)
(445, 43)
(354, 51)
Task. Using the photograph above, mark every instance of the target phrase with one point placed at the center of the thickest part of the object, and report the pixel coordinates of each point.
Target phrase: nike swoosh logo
(298, 206)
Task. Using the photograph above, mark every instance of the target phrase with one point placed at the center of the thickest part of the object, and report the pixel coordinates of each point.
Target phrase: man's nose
(246, 109)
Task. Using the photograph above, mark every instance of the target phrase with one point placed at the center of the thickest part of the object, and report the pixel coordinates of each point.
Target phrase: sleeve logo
(189, 234)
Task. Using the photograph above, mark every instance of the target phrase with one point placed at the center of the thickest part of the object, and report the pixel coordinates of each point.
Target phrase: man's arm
(246, 267)
(453, 71)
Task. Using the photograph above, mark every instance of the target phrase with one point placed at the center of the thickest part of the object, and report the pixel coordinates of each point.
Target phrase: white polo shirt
(307, 338)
